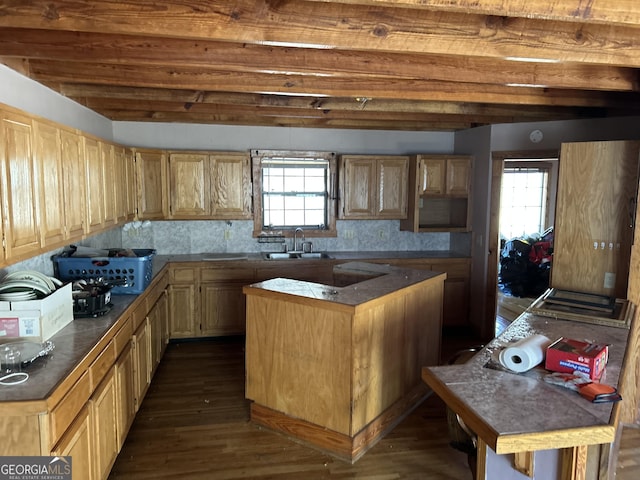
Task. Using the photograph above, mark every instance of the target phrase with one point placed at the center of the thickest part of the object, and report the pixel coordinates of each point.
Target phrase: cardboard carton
(36, 320)
(568, 355)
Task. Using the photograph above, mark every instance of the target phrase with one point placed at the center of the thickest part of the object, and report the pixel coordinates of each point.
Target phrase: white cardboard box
(37, 320)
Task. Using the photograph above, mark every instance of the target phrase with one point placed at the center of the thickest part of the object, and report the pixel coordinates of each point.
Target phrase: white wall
(225, 137)
(21, 92)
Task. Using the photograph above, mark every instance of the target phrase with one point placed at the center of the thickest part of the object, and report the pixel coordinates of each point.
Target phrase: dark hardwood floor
(194, 424)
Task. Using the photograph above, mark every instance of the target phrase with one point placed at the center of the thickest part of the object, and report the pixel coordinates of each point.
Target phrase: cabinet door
(433, 176)
(157, 318)
(105, 440)
(120, 185)
(359, 183)
(182, 311)
(77, 443)
(151, 176)
(223, 308)
(458, 176)
(393, 174)
(230, 185)
(141, 362)
(94, 184)
(126, 397)
(48, 159)
(109, 184)
(131, 184)
(189, 185)
(74, 184)
(19, 187)
(597, 184)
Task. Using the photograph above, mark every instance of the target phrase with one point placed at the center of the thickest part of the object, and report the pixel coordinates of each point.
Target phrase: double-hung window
(294, 190)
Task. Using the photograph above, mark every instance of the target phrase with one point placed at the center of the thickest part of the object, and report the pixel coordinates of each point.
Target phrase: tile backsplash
(175, 237)
(200, 236)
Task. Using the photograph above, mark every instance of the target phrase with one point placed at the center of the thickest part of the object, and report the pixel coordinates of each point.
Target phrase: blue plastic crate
(138, 271)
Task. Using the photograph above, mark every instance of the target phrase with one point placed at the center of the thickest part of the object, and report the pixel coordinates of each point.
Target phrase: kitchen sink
(295, 255)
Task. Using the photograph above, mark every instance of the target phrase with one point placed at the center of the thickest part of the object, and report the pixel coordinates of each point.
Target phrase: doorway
(532, 178)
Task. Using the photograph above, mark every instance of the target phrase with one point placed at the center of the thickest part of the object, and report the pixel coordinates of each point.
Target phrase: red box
(567, 355)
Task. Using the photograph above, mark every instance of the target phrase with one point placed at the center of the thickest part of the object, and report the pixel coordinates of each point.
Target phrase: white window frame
(261, 157)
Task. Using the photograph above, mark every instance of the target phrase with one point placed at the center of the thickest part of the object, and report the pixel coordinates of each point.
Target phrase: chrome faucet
(295, 239)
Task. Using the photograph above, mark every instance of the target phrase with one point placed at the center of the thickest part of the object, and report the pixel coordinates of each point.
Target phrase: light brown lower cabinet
(126, 399)
(93, 408)
(77, 443)
(142, 361)
(103, 415)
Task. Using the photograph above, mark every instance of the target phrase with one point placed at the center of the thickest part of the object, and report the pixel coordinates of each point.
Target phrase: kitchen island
(528, 428)
(338, 366)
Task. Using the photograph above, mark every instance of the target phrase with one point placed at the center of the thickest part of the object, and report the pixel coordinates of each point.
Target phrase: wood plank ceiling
(368, 64)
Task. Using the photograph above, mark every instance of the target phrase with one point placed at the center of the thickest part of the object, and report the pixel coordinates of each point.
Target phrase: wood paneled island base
(337, 367)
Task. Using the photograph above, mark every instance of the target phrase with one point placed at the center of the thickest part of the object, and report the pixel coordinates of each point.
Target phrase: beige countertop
(521, 412)
(386, 280)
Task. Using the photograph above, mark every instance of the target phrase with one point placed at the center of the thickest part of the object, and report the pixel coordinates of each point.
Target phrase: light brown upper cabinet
(19, 186)
(373, 187)
(440, 194)
(189, 185)
(94, 183)
(110, 178)
(595, 214)
(211, 185)
(125, 184)
(230, 185)
(74, 183)
(50, 174)
(151, 176)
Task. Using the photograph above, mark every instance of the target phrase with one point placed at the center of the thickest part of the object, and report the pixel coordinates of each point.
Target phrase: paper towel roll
(524, 354)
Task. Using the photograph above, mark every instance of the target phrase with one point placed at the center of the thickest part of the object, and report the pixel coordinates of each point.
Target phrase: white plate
(24, 285)
(18, 296)
(32, 275)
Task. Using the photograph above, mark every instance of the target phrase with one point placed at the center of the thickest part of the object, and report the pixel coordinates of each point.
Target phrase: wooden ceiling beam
(339, 25)
(618, 12)
(83, 92)
(123, 105)
(47, 71)
(227, 56)
(284, 121)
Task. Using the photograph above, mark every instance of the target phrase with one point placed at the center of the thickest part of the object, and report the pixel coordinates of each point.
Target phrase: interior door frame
(498, 160)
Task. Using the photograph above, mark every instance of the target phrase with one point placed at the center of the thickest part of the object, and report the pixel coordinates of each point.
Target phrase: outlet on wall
(348, 234)
(227, 235)
(381, 234)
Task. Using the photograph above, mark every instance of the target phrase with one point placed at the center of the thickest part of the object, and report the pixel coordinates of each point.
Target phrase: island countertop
(521, 412)
(376, 281)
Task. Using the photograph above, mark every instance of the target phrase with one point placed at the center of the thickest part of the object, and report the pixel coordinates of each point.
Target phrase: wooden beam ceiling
(405, 64)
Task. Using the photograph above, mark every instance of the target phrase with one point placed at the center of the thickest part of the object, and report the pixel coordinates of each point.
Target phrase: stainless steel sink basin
(295, 255)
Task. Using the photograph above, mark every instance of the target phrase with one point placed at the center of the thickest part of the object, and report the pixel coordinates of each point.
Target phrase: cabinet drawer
(139, 314)
(102, 364)
(453, 270)
(123, 336)
(154, 294)
(180, 274)
(63, 414)
(224, 274)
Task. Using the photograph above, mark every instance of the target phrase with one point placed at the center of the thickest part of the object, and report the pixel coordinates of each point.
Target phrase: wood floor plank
(194, 424)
